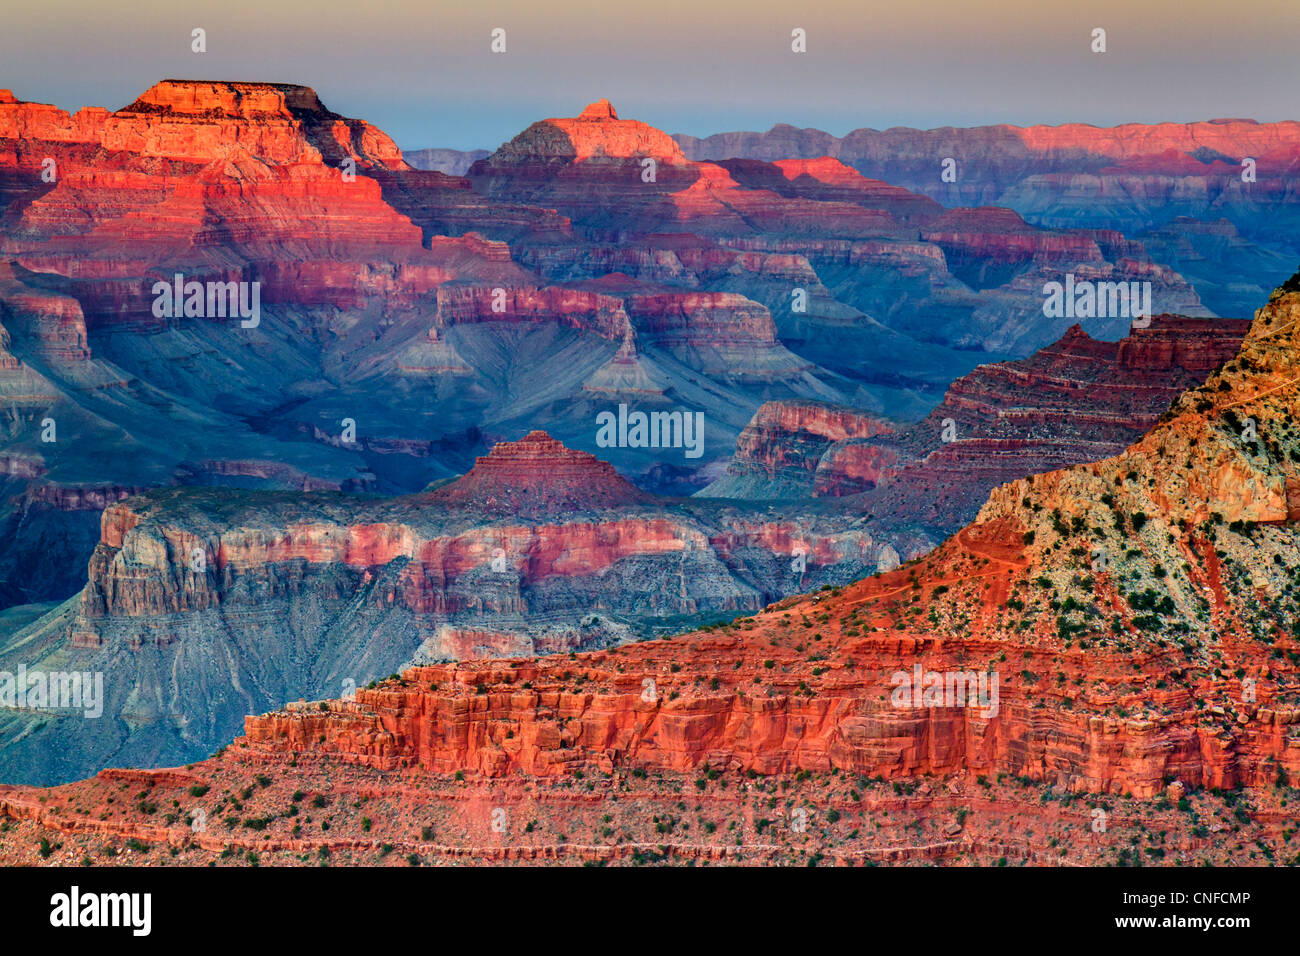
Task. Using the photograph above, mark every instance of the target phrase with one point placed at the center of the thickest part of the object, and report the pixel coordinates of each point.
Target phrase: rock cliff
(1138, 611)
(205, 605)
(1135, 619)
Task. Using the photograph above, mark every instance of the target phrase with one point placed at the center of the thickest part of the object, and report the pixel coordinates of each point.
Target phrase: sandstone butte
(193, 171)
(595, 132)
(1141, 613)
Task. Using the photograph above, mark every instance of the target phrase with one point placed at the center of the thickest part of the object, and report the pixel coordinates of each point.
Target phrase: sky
(423, 70)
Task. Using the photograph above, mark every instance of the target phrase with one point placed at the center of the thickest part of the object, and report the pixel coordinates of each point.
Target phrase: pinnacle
(600, 110)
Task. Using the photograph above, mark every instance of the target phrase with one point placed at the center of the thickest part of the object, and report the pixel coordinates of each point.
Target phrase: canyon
(1141, 612)
(711, 289)
(205, 605)
(400, 461)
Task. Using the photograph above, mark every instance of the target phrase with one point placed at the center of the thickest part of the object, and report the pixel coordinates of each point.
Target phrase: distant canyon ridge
(1177, 186)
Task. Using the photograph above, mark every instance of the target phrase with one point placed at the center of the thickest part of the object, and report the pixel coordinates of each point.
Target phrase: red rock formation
(1076, 401)
(849, 467)
(828, 180)
(1002, 235)
(1179, 714)
(538, 474)
(52, 321)
(1197, 345)
(1133, 177)
(779, 451)
(373, 818)
(578, 165)
(596, 133)
(1003, 151)
(198, 121)
(580, 309)
(1113, 678)
(703, 319)
(190, 169)
(1079, 400)
(542, 512)
(83, 498)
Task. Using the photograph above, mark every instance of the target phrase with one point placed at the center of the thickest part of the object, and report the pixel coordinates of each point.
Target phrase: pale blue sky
(422, 70)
